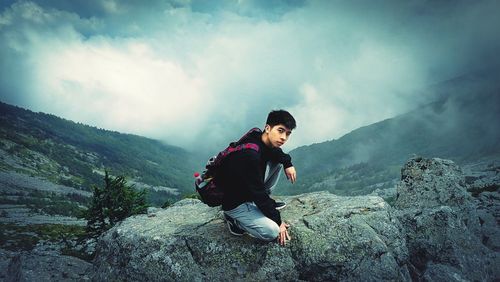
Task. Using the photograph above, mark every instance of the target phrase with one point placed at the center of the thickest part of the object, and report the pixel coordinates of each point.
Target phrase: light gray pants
(249, 217)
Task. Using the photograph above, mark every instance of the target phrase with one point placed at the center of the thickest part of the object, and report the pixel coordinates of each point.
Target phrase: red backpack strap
(222, 155)
(236, 146)
(240, 147)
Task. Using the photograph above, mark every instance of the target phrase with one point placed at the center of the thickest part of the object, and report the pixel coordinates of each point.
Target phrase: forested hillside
(76, 155)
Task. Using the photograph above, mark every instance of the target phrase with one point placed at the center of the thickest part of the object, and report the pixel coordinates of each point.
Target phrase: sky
(199, 74)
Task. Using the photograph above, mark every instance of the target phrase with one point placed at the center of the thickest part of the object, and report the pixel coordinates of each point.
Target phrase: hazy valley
(48, 165)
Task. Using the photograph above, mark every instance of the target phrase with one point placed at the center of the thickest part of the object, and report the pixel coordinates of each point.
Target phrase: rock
(45, 264)
(441, 224)
(440, 272)
(488, 210)
(483, 179)
(151, 212)
(6, 257)
(333, 238)
(427, 183)
(435, 231)
(387, 193)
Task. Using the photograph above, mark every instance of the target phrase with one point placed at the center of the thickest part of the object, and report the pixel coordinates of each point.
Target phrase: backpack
(206, 183)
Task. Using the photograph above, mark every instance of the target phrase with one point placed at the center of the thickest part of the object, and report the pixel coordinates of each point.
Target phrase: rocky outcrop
(333, 238)
(43, 263)
(441, 223)
(433, 233)
(488, 210)
(483, 181)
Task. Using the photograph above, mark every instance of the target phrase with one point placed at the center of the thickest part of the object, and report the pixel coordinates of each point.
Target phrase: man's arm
(278, 156)
(252, 176)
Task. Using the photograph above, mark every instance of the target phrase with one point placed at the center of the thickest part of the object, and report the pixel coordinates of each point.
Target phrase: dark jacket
(241, 176)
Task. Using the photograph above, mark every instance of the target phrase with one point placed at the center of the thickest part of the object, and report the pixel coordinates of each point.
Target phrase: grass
(15, 237)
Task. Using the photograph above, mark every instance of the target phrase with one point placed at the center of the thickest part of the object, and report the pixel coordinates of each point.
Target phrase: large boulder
(333, 238)
(435, 231)
(441, 223)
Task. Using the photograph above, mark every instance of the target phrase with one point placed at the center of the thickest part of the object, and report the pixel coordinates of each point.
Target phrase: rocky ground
(440, 223)
(35, 244)
(43, 263)
(18, 191)
(434, 231)
(333, 238)
(21, 183)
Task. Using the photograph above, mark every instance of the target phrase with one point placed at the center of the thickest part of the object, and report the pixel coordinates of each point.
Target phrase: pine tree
(113, 203)
(95, 213)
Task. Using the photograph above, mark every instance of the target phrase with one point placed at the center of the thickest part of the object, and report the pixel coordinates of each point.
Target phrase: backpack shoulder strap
(240, 147)
(255, 129)
(223, 154)
(236, 146)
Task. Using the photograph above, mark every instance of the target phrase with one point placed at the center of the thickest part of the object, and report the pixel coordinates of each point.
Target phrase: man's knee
(270, 231)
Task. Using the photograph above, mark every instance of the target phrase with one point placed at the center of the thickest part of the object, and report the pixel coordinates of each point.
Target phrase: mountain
(76, 155)
(461, 125)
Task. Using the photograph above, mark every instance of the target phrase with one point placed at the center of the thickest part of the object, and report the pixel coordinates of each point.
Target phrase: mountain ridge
(78, 153)
(460, 125)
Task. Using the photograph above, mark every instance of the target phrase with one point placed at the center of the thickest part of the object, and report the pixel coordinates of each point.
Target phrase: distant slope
(463, 125)
(75, 155)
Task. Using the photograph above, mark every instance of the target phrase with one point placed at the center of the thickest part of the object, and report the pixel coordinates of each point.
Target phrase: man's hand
(291, 174)
(283, 236)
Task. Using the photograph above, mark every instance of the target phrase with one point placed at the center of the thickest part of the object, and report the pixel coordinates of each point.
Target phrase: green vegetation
(158, 198)
(113, 203)
(50, 203)
(15, 237)
(358, 179)
(73, 154)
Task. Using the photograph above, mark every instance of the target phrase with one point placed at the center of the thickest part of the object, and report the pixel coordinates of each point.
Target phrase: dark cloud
(218, 67)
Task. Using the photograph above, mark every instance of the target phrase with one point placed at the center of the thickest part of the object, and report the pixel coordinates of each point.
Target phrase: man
(247, 177)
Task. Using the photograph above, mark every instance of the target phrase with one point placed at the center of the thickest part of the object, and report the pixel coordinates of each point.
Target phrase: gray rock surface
(441, 223)
(333, 238)
(488, 210)
(5, 258)
(483, 181)
(21, 183)
(43, 264)
(435, 231)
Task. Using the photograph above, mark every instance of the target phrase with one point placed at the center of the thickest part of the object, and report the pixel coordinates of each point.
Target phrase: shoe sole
(280, 208)
(231, 231)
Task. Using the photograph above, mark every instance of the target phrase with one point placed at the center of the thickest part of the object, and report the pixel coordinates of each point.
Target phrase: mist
(198, 75)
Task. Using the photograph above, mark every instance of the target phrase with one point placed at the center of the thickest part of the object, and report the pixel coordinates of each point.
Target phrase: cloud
(199, 75)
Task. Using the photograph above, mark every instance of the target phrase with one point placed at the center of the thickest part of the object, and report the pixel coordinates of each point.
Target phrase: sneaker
(279, 205)
(233, 228)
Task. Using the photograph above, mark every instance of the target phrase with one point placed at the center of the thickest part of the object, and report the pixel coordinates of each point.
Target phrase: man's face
(278, 134)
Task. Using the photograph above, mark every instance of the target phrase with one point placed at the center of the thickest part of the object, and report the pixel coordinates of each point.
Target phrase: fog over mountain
(198, 74)
(462, 125)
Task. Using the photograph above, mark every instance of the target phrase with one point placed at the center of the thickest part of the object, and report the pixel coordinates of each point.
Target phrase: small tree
(113, 203)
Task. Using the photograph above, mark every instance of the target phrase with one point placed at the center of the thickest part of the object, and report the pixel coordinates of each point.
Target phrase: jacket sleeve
(278, 156)
(253, 177)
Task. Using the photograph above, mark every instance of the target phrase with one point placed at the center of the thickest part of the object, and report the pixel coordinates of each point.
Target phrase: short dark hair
(281, 117)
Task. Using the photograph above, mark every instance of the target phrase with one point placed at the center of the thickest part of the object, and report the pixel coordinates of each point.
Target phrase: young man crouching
(248, 176)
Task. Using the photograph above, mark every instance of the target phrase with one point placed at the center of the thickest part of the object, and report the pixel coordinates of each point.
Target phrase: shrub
(113, 203)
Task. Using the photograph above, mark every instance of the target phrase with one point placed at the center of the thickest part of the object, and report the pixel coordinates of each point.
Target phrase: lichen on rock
(433, 232)
(333, 238)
